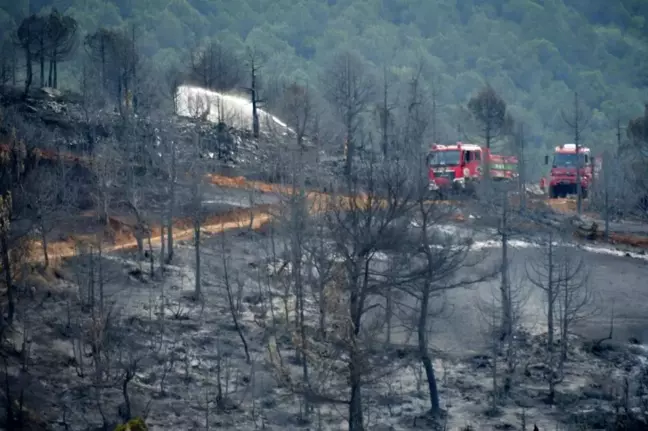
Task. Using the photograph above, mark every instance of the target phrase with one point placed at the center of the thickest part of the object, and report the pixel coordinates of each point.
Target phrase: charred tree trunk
(41, 60)
(198, 289)
(29, 74)
(435, 407)
(172, 187)
(551, 295)
(505, 287)
(44, 241)
(6, 263)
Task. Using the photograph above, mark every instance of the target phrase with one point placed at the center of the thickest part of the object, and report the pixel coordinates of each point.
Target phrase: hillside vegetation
(534, 52)
(167, 257)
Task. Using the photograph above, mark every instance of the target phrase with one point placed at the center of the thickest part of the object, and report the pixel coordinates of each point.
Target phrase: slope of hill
(534, 52)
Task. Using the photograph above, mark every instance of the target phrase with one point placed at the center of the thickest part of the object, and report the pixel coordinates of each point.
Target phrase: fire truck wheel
(553, 193)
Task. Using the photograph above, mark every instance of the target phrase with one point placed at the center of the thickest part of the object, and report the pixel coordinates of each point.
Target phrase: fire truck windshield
(444, 158)
(565, 160)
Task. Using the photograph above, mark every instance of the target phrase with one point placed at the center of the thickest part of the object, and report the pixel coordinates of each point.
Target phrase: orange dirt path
(119, 236)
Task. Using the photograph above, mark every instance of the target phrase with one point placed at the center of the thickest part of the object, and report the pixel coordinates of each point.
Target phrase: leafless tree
(216, 67)
(116, 57)
(298, 106)
(105, 166)
(43, 191)
(563, 279)
(141, 228)
(321, 271)
(575, 299)
(437, 259)
(254, 63)
(170, 157)
(234, 296)
(8, 64)
(12, 229)
(491, 310)
(434, 258)
(359, 229)
(506, 327)
(546, 277)
(173, 78)
(350, 89)
(197, 168)
(577, 123)
(385, 112)
(416, 114)
(519, 139)
(632, 154)
(435, 105)
(617, 193)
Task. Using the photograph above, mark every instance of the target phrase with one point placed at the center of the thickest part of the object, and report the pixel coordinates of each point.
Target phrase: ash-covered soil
(102, 322)
(187, 368)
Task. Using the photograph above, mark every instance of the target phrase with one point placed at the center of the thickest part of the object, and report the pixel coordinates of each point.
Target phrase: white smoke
(235, 111)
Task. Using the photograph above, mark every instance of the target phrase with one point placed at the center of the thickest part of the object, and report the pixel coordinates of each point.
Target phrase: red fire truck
(458, 167)
(562, 181)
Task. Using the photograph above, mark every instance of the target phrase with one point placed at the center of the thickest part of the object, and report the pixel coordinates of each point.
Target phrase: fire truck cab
(563, 177)
(459, 166)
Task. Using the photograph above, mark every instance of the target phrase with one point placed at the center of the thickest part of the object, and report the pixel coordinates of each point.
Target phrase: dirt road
(617, 282)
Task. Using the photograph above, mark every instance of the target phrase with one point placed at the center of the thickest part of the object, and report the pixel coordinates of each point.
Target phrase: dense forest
(535, 53)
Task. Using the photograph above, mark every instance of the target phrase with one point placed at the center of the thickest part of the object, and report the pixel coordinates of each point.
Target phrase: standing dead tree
(14, 161)
(173, 78)
(416, 115)
(8, 64)
(496, 212)
(577, 122)
(298, 106)
(254, 63)
(435, 105)
(575, 299)
(234, 297)
(633, 155)
(171, 159)
(436, 260)
(105, 165)
(361, 226)
(42, 191)
(353, 230)
(197, 168)
(320, 269)
(491, 311)
(433, 257)
(563, 280)
(198, 213)
(350, 89)
(116, 58)
(216, 67)
(519, 139)
(385, 113)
